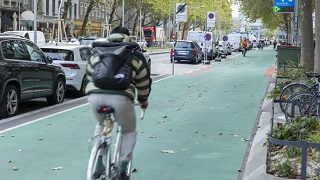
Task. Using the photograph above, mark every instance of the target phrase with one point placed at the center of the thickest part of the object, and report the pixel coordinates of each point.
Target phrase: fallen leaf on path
(168, 151)
(245, 139)
(57, 168)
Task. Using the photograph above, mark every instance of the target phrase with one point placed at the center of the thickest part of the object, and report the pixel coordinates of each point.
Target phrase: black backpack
(113, 71)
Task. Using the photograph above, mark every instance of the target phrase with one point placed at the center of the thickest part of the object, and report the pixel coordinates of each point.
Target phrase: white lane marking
(36, 120)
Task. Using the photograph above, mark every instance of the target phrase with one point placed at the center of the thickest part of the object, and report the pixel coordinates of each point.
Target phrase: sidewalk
(203, 118)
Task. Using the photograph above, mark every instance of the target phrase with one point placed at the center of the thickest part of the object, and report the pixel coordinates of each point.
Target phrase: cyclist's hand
(144, 105)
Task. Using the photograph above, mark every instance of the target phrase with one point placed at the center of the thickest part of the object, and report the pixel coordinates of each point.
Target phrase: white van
(199, 37)
(29, 35)
(235, 41)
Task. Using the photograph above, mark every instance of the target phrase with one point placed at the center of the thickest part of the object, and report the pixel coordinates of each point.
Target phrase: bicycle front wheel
(288, 90)
(99, 164)
(297, 105)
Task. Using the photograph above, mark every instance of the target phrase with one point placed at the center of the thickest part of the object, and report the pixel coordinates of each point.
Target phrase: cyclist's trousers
(125, 116)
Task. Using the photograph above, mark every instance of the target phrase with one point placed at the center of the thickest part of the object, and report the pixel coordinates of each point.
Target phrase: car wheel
(58, 93)
(10, 102)
(82, 91)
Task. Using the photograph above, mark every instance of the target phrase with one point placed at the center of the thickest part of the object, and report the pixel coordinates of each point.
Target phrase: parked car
(186, 50)
(73, 59)
(29, 35)
(224, 48)
(27, 73)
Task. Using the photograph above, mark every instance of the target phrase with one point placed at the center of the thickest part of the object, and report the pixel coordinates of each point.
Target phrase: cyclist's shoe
(122, 176)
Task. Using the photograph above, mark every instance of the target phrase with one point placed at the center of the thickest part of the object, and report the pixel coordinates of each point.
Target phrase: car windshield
(59, 54)
(183, 45)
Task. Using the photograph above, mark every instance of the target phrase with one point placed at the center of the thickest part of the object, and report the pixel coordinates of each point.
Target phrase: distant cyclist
(244, 45)
(122, 101)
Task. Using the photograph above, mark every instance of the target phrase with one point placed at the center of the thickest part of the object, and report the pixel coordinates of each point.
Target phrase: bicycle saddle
(105, 109)
(313, 75)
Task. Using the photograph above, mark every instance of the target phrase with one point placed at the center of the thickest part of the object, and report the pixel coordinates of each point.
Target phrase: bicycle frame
(103, 146)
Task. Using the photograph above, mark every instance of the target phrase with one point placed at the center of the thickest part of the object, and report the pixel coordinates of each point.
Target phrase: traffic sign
(181, 12)
(211, 18)
(207, 37)
(283, 6)
(225, 38)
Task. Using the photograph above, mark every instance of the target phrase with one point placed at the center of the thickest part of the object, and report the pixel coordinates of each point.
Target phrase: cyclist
(122, 102)
(244, 45)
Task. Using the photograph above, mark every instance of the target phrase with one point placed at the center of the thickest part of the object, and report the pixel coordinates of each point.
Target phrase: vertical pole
(169, 28)
(296, 13)
(122, 13)
(205, 40)
(19, 16)
(195, 18)
(176, 37)
(140, 24)
(35, 20)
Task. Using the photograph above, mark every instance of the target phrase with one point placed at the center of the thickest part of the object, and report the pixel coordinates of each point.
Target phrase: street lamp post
(195, 15)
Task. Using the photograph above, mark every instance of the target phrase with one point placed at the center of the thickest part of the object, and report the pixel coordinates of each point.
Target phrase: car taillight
(194, 51)
(71, 66)
(172, 50)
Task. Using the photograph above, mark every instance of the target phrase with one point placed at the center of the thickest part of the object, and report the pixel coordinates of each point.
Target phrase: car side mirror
(49, 59)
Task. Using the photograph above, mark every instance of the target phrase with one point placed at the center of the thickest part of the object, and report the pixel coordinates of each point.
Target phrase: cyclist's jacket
(244, 43)
(140, 76)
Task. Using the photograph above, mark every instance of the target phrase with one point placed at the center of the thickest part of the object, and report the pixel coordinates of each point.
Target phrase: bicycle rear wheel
(288, 90)
(297, 105)
(102, 171)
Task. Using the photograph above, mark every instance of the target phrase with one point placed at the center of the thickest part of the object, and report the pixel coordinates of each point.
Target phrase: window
(59, 54)
(53, 7)
(70, 11)
(81, 9)
(7, 50)
(35, 53)
(75, 11)
(85, 54)
(19, 51)
(47, 7)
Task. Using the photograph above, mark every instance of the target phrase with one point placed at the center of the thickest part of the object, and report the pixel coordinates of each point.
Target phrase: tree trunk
(66, 10)
(317, 30)
(85, 21)
(307, 44)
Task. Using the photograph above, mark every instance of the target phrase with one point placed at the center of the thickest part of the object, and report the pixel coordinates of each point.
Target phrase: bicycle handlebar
(142, 110)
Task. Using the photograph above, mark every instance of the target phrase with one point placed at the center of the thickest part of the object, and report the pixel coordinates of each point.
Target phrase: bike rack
(303, 144)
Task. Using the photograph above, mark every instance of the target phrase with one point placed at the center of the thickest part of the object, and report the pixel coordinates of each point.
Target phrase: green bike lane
(203, 119)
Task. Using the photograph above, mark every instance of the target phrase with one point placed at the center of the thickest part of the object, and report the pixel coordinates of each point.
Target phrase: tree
(307, 44)
(317, 33)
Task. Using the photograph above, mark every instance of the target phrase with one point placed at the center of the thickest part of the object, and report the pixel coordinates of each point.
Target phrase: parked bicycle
(304, 103)
(103, 149)
(297, 87)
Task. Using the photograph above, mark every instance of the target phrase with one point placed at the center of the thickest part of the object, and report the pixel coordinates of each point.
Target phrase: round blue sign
(210, 15)
(225, 38)
(207, 37)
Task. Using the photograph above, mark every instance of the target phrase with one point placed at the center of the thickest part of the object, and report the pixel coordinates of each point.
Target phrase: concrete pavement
(204, 118)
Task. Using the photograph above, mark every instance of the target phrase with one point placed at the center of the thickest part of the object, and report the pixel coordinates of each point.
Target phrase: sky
(235, 9)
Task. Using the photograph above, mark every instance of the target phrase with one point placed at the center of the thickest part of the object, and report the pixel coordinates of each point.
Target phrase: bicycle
(244, 51)
(102, 149)
(293, 88)
(304, 103)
